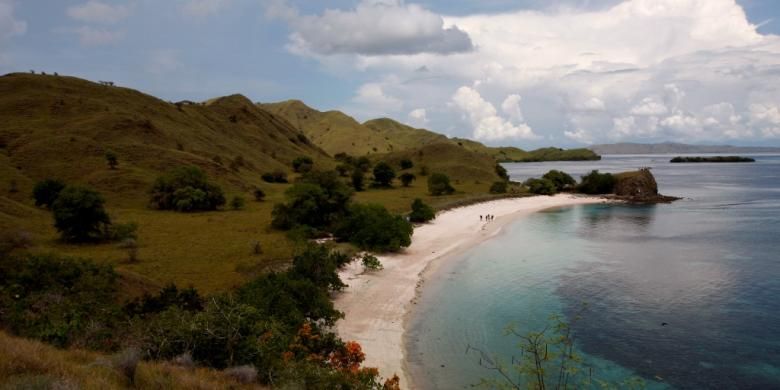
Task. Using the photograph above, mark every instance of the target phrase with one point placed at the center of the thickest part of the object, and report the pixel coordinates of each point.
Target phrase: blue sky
(526, 72)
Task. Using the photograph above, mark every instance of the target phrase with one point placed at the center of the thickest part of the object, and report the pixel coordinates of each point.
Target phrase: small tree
(371, 263)
(237, 203)
(421, 212)
(383, 174)
(439, 184)
(407, 178)
(357, 180)
(45, 192)
(111, 158)
(597, 183)
(498, 187)
(561, 180)
(275, 177)
(342, 169)
(372, 227)
(186, 189)
(363, 163)
(406, 164)
(541, 186)
(302, 164)
(259, 195)
(79, 214)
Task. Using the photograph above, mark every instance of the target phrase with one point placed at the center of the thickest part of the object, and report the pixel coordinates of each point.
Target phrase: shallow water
(708, 265)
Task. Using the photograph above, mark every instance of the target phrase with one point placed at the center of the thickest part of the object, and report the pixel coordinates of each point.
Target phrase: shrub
(501, 172)
(498, 187)
(237, 203)
(372, 227)
(186, 189)
(439, 184)
(122, 231)
(259, 194)
(318, 264)
(357, 180)
(79, 214)
(111, 159)
(371, 262)
(407, 178)
(421, 212)
(342, 169)
(597, 183)
(406, 164)
(561, 180)
(541, 186)
(46, 191)
(187, 299)
(302, 164)
(363, 163)
(383, 174)
(317, 200)
(275, 177)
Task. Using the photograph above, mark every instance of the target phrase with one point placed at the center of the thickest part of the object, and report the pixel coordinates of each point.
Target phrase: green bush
(439, 184)
(186, 189)
(343, 170)
(237, 203)
(372, 227)
(406, 164)
(421, 212)
(371, 262)
(275, 177)
(259, 194)
(383, 174)
(499, 187)
(541, 186)
(561, 180)
(318, 264)
(597, 183)
(501, 172)
(316, 201)
(407, 178)
(46, 191)
(111, 159)
(79, 214)
(303, 164)
(358, 180)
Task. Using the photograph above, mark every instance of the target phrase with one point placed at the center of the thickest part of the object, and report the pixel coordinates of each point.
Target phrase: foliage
(371, 262)
(561, 180)
(501, 172)
(343, 169)
(372, 227)
(122, 231)
(318, 264)
(421, 212)
(407, 178)
(597, 183)
(111, 159)
(170, 296)
(275, 177)
(383, 174)
(237, 202)
(79, 214)
(363, 163)
(259, 194)
(439, 184)
(186, 188)
(406, 164)
(316, 201)
(357, 180)
(541, 186)
(46, 191)
(302, 164)
(499, 187)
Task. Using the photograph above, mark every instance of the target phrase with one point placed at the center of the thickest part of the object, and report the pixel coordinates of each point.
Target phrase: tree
(237, 203)
(407, 178)
(357, 180)
(186, 188)
(363, 163)
(498, 187)
(501, 172)
(259, 194)
(303, 164)
(79, 214)
(406, 164)
(275, 177)
(372, 227)
(342, 169)
(111, 158)
(318, 264)
(46, 191)
(597, 183)
(421, 212)
(541, 186)
(383, 174)
(561, 179)
(316, 201)
(439, 184)
(371, 263)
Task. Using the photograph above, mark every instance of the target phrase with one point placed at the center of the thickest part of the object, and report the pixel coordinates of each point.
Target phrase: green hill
(401, 136)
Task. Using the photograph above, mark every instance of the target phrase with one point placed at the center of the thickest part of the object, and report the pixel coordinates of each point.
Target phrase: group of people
(488, 217)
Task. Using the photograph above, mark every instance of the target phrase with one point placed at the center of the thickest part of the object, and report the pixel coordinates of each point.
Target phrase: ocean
(683, 295)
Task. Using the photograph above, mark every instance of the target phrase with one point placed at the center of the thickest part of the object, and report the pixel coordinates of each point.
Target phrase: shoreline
(377, 305)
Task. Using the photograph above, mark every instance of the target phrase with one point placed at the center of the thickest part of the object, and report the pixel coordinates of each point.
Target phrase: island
(714, 159)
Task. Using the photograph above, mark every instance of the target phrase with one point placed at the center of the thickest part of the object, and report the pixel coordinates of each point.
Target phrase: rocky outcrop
(639, 187)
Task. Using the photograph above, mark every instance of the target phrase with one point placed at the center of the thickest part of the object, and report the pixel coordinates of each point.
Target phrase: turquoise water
(708, 266)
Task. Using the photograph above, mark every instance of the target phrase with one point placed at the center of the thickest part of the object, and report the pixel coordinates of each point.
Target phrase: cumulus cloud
(201, 8)
(486, 123)
(419, 116)
(372, 28)
(94, 11)
(373, 96)
(91, 36)
(649, 106)
(9, 25)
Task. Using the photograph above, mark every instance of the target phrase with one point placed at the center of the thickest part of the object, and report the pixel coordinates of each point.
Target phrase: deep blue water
(708, 265)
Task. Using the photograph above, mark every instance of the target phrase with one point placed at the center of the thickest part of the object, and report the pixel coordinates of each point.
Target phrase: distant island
(714, 159)
(671, 147)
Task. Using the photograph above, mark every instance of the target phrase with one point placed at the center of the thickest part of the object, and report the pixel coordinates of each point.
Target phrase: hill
(403, 137)
(671, 147)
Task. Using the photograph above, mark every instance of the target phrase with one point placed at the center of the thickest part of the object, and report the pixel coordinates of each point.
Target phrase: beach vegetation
(596, 183)
(499, 187)
(372, 227)
(562, 180)
(439, 184)
(421, 212)
(371, 262)
(541, 186)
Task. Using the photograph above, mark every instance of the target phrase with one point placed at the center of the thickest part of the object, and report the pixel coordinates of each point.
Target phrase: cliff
(639, 187)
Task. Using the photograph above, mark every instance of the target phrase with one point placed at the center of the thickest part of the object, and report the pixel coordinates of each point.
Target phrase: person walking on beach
(480, 217)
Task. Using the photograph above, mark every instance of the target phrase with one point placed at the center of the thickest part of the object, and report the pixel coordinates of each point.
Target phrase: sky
(526, 73)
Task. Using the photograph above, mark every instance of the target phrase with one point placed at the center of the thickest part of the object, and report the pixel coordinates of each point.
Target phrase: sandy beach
(376, 304)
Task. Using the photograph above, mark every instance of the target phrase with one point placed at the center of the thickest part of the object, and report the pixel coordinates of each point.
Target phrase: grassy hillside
(30, 364)
(333, 131)
(404, 137)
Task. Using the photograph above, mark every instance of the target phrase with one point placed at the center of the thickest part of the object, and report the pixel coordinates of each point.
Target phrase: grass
(27, 364)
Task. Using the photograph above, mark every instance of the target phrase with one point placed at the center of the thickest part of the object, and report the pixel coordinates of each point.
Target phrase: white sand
(376, 304)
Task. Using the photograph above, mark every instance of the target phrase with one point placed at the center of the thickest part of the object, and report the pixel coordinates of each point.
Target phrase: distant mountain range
(671, 147)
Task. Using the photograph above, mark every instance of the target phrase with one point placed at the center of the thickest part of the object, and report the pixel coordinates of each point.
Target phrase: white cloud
(201, 8)
(373, 96)
(579, 135)
(486, 123)
(590, 104)
(511, 107)
(419, 116)
(649, 106)
(9, 25)
(94, 11)
(372, 28)
(91, 36)
(163, 61)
